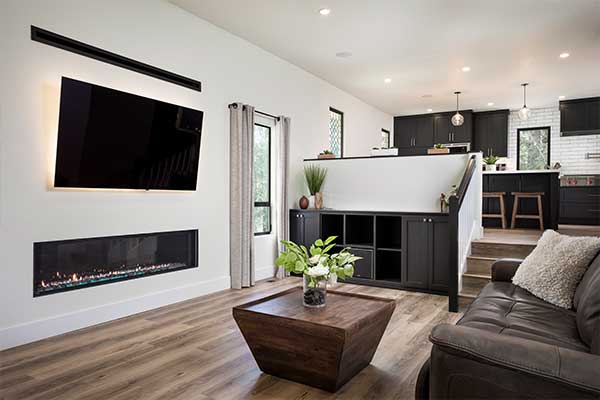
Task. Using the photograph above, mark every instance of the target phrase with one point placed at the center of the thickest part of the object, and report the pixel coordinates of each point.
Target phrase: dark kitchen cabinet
(580, 205)
(363, 268)
(445, 132)
(426, 251)
(580, 117)
(304, 227)
(490, 133)
(413, 132)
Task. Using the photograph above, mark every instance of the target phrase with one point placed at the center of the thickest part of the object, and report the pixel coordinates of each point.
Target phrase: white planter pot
(311, 201)
(490, 167)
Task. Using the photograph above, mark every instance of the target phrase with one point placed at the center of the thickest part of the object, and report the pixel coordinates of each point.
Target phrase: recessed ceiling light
(344, 54)
(387, 80)
(490, 104)
(429, 109)
(564, 55)
(561, 97)
(466, 69)
(427, 96)
(324, 11)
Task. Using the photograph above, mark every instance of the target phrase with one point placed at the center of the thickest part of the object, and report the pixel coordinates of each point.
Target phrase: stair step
(478, 277)
(469, 292)
(472, 283)
(480, 265)
(501, 250)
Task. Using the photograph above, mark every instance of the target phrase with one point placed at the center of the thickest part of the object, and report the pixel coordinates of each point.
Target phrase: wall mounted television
(109, 139)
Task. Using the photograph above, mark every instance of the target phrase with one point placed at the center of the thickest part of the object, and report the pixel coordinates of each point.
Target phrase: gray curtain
(241, 196)
(283, 155)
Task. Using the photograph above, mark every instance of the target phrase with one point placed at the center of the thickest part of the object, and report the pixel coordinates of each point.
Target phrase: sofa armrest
(514, 361)
(504, 269)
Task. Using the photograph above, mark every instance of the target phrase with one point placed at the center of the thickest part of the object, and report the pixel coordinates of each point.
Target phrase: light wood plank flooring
(193, 350)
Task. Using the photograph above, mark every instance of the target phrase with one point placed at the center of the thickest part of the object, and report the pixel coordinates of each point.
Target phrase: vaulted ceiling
(423, 45)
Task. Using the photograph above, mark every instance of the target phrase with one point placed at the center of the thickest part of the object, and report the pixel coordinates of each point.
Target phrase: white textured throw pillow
(554, 268)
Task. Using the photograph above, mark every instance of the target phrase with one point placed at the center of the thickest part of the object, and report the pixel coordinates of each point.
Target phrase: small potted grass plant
(326, 154)
(490, 163)
(438, 148)
(315, 177)
(317, 267)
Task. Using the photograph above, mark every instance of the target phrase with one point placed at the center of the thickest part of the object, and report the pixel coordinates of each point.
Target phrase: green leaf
(330, 239)
(326, 249)
(319, 242)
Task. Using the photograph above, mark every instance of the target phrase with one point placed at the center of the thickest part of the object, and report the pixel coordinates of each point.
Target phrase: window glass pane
(385, 139)
(533, 148)
(262, 219)
(335, 132)
(261, 163)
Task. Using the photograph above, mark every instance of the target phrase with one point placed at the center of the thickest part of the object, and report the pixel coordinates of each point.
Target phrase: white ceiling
(423, 44)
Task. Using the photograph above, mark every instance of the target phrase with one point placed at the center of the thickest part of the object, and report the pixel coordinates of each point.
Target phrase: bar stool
(500, 197)
(528, 195)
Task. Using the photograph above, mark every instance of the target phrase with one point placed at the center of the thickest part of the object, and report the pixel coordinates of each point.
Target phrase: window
(336, 132)
(533, 148)
(385, 139)
(262, 179)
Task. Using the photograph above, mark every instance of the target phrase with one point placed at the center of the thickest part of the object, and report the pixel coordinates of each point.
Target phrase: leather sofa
(512, 345)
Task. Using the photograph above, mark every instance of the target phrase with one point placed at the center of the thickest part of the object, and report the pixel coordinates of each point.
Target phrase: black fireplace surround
(64, 265)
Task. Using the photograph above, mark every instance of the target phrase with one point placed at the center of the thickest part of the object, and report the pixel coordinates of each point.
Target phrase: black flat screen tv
(109, 139)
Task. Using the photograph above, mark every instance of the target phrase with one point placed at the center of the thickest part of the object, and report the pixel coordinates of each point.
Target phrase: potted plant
(326, 154)
(490, 163)
(438, 148)
(317, 267)
(315, 176)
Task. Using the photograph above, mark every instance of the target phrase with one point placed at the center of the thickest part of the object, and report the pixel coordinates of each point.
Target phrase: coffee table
(320, 347)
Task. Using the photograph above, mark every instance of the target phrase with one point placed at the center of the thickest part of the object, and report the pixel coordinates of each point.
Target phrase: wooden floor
(194, 350)
(531, 236)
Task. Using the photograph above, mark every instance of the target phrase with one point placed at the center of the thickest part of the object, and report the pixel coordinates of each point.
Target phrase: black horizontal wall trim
(74, 46)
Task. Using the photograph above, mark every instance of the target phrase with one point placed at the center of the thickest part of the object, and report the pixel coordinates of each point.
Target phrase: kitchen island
(546, 181)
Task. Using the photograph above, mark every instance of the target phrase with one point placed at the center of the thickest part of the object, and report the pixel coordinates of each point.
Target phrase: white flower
(314, 260)
(319, 270)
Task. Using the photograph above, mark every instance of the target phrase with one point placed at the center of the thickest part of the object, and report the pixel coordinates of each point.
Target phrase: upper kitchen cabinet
(413, 132)
(445, 132)
(580, 117)
(490, 134)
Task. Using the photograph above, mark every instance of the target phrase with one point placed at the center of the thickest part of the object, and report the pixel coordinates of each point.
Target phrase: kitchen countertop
(526, 171)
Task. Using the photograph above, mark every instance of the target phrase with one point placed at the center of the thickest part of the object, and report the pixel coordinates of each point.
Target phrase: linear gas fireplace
(64, 265)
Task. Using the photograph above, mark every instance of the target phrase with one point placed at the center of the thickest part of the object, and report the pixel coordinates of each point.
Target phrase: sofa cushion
(506, 309)
(555, 267)
(587, 303)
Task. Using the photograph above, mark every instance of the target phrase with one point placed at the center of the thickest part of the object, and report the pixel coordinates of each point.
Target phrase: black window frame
(341, 114)
(519, 130)
(265, 203)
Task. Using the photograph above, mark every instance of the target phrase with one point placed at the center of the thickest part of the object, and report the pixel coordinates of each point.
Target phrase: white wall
(568, 150)
(160, 34)
(406, 184)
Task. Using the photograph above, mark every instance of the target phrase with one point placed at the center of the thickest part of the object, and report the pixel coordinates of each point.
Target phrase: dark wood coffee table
(321, 347)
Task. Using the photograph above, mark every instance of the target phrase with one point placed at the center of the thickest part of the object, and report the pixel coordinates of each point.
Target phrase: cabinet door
(296, 228)
(404, 130)
(363, 268)
(463, 133)
(593, 113)
(424, 132)
(497, 136)
(439, 275)
(480, 134)
(573, 116)
(311, 227)
(415, 252)
(442, 128)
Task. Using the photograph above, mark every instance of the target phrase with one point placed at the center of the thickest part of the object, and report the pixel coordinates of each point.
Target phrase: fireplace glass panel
(74, 264)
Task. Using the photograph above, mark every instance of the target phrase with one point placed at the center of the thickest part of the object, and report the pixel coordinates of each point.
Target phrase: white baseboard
(264, 272)
(45, 328)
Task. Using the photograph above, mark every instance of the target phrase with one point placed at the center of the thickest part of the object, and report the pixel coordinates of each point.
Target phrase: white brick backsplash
(569, 151)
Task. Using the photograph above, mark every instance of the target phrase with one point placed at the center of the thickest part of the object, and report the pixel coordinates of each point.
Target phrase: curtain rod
(234, 105)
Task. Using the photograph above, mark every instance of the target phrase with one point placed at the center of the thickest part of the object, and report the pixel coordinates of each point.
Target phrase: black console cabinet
(398, 250)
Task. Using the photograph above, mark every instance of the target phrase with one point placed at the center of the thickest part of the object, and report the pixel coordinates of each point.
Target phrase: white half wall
(405, 184)
(158, 33)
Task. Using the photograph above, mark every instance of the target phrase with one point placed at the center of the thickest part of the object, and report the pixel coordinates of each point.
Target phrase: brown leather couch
(512, 345)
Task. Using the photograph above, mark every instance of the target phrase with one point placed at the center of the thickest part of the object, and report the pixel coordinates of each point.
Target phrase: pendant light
(457, 119)
(524, 112)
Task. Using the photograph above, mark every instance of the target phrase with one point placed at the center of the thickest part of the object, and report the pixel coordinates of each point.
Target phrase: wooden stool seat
(527, 195)
(500, 197)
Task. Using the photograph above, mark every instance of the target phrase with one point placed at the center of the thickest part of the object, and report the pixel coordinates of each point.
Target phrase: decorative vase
(314, 291)
(311, 201)
(318, 200)
(303, 202)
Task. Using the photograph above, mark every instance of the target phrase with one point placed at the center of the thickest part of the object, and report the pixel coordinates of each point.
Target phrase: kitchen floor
(531, 236)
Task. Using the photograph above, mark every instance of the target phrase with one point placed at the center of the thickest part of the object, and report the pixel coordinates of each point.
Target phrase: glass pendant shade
(458, 119)
(524, 113)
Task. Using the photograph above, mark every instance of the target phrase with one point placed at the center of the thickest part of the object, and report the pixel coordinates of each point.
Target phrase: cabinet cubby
(389, 232)
(389, 265)
(333, 225)
(359, 230)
